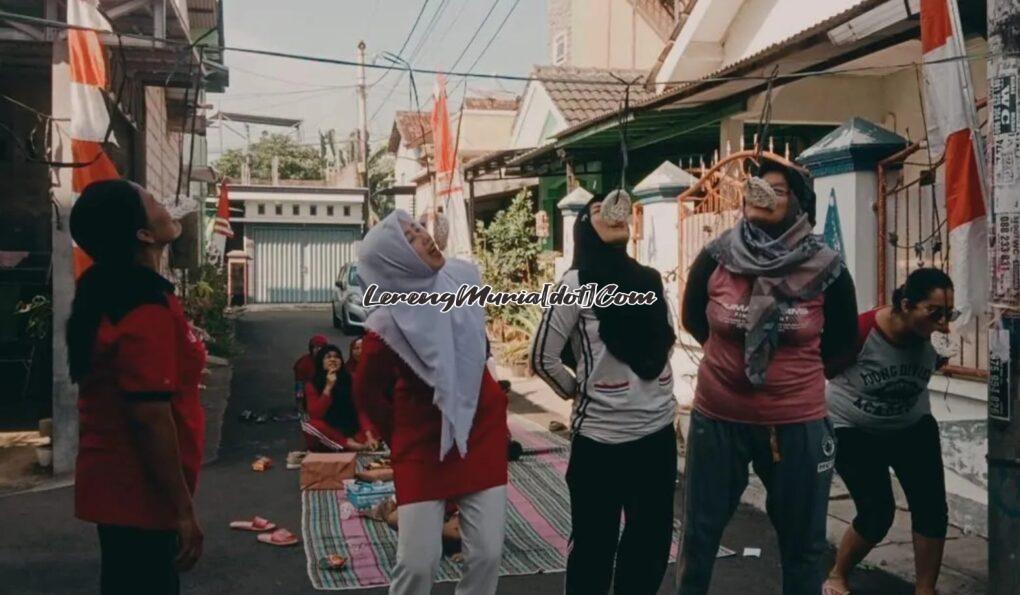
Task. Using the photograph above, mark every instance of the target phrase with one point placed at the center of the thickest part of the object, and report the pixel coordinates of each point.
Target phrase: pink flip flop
(280, 537)
(257, 524)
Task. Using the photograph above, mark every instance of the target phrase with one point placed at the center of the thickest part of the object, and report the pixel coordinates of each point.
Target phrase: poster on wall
(1000, 368)
(1005, 132)
(1006, 259)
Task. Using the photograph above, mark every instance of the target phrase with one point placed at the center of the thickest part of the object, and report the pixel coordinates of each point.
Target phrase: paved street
(43, 549)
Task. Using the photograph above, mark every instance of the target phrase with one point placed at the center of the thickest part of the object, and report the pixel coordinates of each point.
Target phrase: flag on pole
(833, 229)
(448, 184)
(221, 229)
(952, 128)
(89, 116)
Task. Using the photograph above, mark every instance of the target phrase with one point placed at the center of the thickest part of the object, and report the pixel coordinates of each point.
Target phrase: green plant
(38, 314)
(509, 256)
(205, 304)
(296, 162)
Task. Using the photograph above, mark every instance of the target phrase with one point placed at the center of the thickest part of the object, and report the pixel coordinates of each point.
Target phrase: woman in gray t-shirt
(880, 409)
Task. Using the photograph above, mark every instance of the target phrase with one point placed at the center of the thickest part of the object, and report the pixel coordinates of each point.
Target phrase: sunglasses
(937, 313)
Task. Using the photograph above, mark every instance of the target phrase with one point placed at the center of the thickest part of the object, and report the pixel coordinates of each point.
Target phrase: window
(560, 48)
(347, 211)
(262, 209)
(279, 209)
(313, 210)
(296, 209)
(329, 211)
(354, 278)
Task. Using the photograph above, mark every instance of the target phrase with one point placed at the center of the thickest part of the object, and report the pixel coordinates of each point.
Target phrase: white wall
(344, 213)
(406, 166)
(721, 32)
(484, 130)
(535, 109)
(611, 34)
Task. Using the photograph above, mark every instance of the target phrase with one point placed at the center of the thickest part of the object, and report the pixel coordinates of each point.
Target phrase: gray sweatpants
(795, 463)
(420, 544)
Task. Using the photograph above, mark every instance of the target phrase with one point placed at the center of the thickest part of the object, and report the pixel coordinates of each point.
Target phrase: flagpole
(363, 134)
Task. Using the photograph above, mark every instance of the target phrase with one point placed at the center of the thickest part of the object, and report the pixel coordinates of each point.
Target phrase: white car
(349, 314)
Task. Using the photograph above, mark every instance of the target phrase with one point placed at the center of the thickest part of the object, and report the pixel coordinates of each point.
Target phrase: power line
(494, 36)
(475, 36)
(401, 53)
(428, 30)
(407, 39)
(522, 78)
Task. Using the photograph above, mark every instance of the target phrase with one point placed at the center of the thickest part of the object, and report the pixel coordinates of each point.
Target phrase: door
(298, 264)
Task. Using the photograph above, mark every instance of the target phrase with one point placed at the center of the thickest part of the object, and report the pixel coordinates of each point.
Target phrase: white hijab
(446, 350)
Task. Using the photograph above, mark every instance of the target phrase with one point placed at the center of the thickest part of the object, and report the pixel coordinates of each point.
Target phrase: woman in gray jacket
(622, 387)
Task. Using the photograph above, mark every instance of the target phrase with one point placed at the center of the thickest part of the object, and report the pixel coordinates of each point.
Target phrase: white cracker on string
(616, 207)
(179, 209)
(759, 193)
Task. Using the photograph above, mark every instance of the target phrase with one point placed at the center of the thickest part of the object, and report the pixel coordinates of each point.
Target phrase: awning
(644, 129)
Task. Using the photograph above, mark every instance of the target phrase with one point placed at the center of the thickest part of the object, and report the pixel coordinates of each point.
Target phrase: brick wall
(161, 147)
(559, 21)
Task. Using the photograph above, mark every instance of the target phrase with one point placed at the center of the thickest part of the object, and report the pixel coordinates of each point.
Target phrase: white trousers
(420, 543)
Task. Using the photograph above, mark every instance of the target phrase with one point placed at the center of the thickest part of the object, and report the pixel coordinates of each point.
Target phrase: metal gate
(299, 263)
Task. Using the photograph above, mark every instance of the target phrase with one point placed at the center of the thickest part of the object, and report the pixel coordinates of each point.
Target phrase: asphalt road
(44, 550)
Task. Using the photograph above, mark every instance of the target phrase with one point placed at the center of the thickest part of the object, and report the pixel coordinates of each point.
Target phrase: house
(410, 133)
(482, 125)
(291, 239)
(154, 114)
(844, 97)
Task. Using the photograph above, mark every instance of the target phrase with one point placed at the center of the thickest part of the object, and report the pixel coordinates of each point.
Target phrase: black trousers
(138, 561)
(795, 465)
(915, 454)
(599, 492)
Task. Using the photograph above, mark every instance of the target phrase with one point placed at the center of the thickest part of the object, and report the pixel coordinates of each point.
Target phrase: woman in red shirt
(423, 382)
(775, 311)
(137, 363)
(304, 367)
(333, 423)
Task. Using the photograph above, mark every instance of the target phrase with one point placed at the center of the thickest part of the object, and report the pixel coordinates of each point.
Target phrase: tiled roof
(409, 126)
(584, 93)
(491, 103)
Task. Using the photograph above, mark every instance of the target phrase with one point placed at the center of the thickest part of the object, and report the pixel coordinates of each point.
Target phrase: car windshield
(353, 277)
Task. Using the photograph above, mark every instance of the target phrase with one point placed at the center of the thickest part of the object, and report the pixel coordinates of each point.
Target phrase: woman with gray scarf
(775, 312)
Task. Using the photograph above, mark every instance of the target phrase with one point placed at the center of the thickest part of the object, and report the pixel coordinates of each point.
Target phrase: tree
(380, 177)
(296, 162)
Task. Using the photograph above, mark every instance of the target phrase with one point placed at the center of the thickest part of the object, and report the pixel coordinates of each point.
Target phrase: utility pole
(1004, 337)
(363, 133)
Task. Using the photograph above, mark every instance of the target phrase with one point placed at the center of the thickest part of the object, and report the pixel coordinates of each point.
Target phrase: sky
(324, 96)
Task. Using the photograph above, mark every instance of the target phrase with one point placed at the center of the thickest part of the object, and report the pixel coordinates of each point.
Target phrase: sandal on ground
(261, 464)
(280, 537)
(257, 524)
(332, 562)
(295, 458)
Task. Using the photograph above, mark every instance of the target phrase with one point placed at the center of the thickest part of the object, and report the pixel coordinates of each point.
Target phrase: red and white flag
(448, 186)
(89, 116)
(952, 120)
(221, 229)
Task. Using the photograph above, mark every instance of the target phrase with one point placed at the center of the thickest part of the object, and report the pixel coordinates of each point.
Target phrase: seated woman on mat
(332, 423)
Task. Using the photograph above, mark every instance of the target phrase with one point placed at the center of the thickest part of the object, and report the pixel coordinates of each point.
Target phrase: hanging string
(765, 119)
(624, 120)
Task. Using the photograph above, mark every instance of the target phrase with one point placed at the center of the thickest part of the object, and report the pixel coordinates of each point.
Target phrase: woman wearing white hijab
(422, 380)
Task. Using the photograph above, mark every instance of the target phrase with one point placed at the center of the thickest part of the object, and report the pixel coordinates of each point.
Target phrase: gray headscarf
(793, 267)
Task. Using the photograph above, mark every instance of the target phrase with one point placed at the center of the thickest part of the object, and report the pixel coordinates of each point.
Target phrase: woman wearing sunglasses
(883, 420)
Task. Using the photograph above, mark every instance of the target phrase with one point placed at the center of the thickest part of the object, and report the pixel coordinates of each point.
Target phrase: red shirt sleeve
(373, 385)
(317, 403)
(147, 356)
